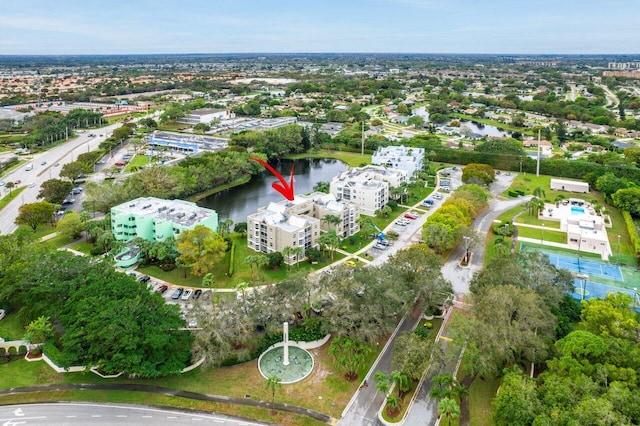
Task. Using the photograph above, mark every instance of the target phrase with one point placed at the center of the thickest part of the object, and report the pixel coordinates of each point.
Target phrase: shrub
(22, 350)
(423, 331)
(12, 351)
(3, 352)
(392, 203)
(309, 330)
(166, 267)
(633, 232)
(505, 229)
(232, 258)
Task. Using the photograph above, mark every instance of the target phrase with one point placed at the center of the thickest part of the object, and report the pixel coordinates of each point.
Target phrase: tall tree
(35, 214)
(200, 248)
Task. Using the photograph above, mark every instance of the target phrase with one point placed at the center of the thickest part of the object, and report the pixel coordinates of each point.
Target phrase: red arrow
(285, 189)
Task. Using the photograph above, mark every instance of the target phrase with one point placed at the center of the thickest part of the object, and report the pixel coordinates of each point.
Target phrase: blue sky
(223, 26)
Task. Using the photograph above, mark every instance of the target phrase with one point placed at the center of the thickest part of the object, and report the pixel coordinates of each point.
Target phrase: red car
(17, 182)
(411, 216)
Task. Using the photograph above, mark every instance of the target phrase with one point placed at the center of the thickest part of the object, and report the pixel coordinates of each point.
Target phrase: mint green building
(155, 219)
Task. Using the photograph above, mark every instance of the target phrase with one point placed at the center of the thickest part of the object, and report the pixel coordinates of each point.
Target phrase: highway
(64, 413)
(54, 159)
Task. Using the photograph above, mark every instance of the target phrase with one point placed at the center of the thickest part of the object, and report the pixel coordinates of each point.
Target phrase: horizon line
(322, 53)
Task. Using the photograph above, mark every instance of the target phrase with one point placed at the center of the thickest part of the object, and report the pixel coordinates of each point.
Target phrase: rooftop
(176, 211)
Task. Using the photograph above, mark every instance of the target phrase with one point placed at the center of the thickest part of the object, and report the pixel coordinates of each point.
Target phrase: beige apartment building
(298, 223)
(367, 187)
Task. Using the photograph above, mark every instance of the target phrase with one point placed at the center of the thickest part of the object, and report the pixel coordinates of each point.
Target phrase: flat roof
(176, 211)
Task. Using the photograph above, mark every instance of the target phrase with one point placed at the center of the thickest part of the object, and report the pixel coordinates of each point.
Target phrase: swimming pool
(577, 210)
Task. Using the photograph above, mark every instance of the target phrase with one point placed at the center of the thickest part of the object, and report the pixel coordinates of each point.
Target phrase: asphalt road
(61, 155)
(106, 414)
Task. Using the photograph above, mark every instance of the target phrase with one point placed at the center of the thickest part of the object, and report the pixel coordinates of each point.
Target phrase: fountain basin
(300, 365)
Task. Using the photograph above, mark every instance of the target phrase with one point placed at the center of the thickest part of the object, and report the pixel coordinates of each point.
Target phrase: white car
(187, 294)
(31, 185)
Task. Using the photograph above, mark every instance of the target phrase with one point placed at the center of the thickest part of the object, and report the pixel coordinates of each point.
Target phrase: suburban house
(569, 186)
(155, 219)
(399, 157)
(205, 115)
(297, 223)
(367, 187)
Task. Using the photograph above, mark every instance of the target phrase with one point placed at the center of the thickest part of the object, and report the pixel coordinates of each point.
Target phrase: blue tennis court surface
(597, 290)
(588, 267)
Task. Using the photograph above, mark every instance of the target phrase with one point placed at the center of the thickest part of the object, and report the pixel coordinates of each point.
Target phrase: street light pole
(542, 235)
(619, 236)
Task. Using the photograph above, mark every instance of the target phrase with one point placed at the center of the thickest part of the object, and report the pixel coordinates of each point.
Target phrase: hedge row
(632, 230)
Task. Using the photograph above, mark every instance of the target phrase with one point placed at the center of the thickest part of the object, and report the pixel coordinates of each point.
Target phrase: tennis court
(585, 290)
(589, 267)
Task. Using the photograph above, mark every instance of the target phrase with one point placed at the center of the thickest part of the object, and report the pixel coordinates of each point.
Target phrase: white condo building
(297, 223)
(399, 157)
(367, 187)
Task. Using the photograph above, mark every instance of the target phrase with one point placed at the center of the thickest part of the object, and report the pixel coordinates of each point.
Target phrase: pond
(239, 202)
(481, 129)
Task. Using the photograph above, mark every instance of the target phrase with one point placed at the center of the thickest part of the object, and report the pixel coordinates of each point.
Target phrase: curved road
(69, 413)
(61, 155)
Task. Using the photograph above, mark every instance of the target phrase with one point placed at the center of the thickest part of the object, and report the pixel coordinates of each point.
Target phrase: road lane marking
(96, 415)
(71, 417)
(147, 417)
(122, 416)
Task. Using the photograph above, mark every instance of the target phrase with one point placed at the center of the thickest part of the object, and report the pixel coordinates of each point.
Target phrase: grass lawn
(528, 183)
(490, 247)
(83, 247)
(353, 159)
(481, 393)
(11, 328)
(9, 197)
(136, 162)
(240, 380)
(242, 271)
(58, 241)
(544, 235)
(534, 220)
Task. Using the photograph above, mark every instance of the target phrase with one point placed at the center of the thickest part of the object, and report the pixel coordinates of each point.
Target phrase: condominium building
(367, 187)
(155, 219)
(399, 157)
(298, 223)
(273, 228)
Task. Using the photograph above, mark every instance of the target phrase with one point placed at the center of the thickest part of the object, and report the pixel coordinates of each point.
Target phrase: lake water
(482, 129)
(476, 128)
(239, 202)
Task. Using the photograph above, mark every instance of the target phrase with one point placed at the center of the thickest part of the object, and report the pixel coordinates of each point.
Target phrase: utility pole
(362, 145)
(538, 162)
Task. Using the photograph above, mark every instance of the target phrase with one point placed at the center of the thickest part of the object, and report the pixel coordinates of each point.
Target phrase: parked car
(162, 288)
(177, 293)
(43, 163)
(31, 185)
(411, 215)
(350, 263)
(144, 279)
(427, 202)
(437, 196)
(187, 294)
(379, 246)
(197, 294)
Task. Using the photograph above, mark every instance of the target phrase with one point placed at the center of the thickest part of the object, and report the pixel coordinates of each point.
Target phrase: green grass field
(542, 234)
(136, 162)
(10, 197)
(11, 327)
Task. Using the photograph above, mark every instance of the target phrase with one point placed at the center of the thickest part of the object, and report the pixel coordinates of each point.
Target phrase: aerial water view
(353, 213)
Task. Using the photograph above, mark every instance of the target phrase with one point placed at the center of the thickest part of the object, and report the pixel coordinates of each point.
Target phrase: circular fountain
(287, 362)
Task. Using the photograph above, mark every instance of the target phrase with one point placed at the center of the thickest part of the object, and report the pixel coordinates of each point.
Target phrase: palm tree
(383, 384)
(449, 409)
(331, 219)
(287, 252)
(331, 241)
(272, 384)
(394, 403)
(539, 192)
(10, 186)
(298, 252)
(401, 381)
(242, 288)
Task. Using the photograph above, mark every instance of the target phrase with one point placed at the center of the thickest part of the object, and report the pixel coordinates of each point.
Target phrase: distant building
(155, 219)
(205, 115)
(399, 157)
(569, 185)
(298, 223)
(367, 187)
